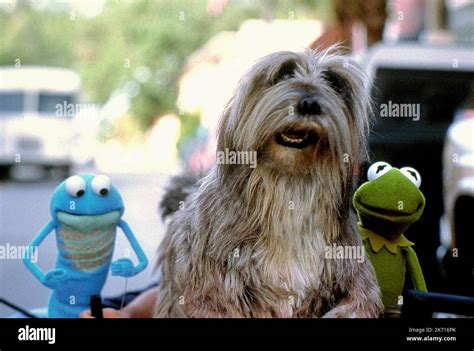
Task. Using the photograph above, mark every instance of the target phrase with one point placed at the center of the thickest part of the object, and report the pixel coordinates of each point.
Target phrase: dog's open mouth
(296, 138)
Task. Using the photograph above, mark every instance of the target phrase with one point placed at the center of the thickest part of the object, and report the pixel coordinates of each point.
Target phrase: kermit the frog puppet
(387, 204)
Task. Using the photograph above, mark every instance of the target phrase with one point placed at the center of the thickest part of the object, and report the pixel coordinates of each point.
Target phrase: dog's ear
(246, 95)
(224, 138)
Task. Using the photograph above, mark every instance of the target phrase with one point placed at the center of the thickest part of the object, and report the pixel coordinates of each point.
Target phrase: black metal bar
(418, 304)
(96, 307)
(17, 308)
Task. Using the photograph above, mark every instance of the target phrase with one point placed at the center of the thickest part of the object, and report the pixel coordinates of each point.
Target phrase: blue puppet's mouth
(86, 223)
(87, 240)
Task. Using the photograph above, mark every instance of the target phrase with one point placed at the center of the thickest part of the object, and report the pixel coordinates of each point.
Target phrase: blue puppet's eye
(101, 185)
(75, 186)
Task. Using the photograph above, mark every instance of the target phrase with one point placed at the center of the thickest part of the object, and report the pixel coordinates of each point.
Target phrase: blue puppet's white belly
(87, 242)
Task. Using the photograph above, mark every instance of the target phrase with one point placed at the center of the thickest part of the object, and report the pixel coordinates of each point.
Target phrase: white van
(36, 112)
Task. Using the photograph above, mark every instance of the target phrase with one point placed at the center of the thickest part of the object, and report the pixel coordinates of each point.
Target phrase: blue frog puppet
(86, 210)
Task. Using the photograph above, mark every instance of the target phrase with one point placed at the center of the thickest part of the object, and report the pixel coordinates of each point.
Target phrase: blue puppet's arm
(43, 233)
(124, 267)
(54, 277)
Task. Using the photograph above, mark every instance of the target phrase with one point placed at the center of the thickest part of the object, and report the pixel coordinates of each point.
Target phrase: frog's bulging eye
(378, 169)
(75, 186)
(412, 174)
(101, 185)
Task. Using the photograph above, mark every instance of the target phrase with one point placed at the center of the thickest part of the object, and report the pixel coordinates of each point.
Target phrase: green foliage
(36, 37)
(189, 126)
(142, 44)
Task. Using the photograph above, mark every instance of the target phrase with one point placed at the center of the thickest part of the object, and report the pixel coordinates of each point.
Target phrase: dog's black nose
(309, 106)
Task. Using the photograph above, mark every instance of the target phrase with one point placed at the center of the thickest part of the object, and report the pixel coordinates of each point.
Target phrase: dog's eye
(286, 71)
(336, 82)
(378, 169)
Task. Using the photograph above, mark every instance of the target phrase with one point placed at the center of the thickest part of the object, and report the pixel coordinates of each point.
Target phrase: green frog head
(390, 201)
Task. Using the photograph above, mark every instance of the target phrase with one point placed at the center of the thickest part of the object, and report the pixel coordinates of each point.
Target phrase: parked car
(37, 106)
(436, 81)
(456, 252)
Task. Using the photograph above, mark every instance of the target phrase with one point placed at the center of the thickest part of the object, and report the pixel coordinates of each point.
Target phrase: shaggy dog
(252, 241)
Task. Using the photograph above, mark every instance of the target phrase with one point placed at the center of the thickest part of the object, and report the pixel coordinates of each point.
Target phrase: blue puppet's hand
(123, 267)
(55, 277)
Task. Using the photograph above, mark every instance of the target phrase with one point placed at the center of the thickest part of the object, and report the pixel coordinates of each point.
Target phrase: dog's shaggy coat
(250, 242)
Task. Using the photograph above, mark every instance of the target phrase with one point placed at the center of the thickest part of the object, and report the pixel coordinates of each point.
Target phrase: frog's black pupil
(380, 168)
(80, 193)
(103, 191)
(413, 174)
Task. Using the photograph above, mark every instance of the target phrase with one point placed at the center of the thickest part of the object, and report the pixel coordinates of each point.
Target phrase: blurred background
(134, 89)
